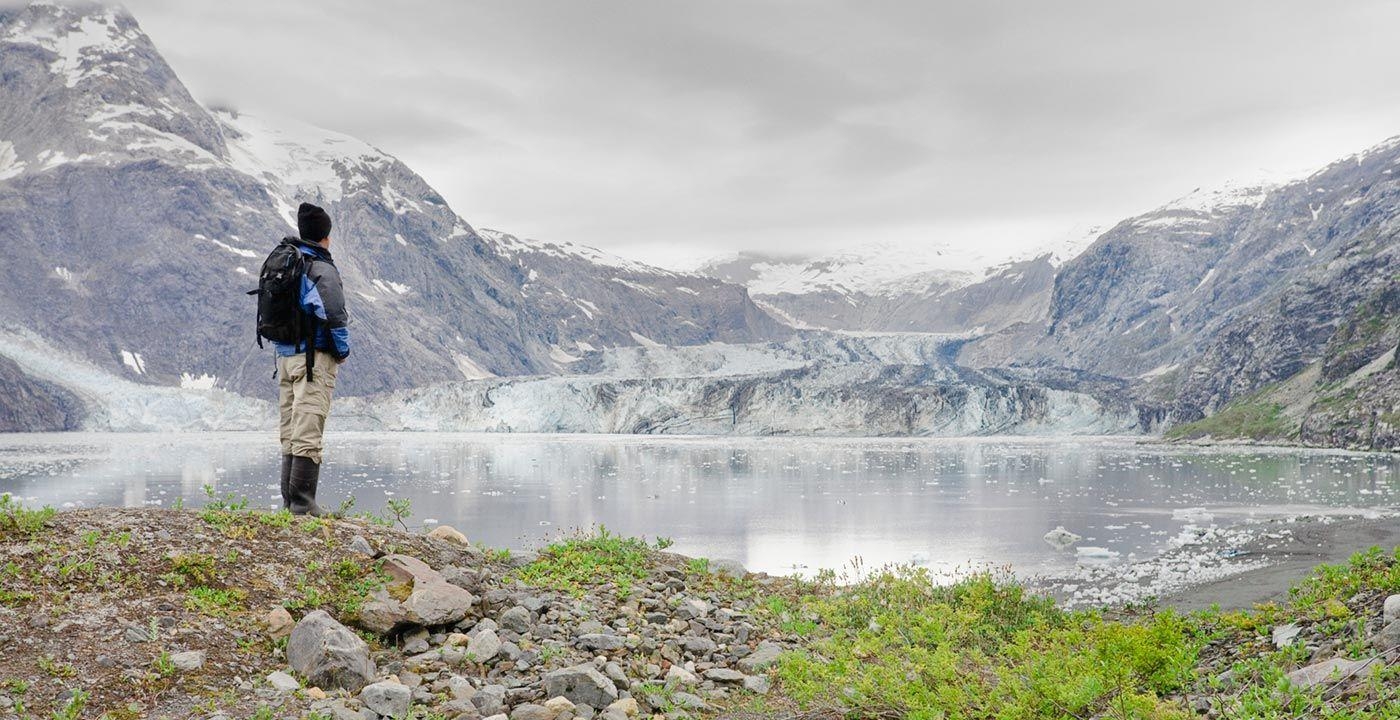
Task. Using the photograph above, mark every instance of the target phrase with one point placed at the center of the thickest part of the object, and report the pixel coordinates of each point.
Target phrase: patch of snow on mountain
(471, 369)
(201, 382)
(389, 286)
(83, 44)
(10, 164)
(296, 158)
(559, 355)
(511, 246)
(645, 341)
(1229, 195)
(134, 361)
(241, 252)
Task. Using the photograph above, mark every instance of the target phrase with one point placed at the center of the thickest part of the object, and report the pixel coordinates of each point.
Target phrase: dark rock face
(144, 216)
(1203, 304)
(30, 405)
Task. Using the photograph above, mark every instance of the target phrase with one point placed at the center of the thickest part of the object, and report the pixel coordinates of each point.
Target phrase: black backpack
(280, 317)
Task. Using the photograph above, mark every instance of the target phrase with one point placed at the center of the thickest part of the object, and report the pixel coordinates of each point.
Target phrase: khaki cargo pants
(304, 404)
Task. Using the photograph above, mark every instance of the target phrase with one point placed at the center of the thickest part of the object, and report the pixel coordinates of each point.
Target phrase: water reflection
(774, 504)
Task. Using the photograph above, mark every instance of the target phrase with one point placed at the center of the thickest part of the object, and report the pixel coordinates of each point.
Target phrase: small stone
(416, 641)
(137, 634)
(360, 545)
(1284, 635)
(389, 699)
(483, 646)
(316, 693)
(279, 622)
(560, 705)
(460, 687)
(282, 682)
(447, 532)
(726, 567)
(763, 657)
(678, 675)
(516, 619)
(531, 711)
(699, 645)
(601, 642)
(626, 706)
(1389, 636)
(724, 675)
(688, 701)
(757, 684)
(490, 700)
(693, 608)
(188, 660)
(1390, 611)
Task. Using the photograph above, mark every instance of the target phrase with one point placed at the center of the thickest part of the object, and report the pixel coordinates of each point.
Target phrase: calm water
(775, 504)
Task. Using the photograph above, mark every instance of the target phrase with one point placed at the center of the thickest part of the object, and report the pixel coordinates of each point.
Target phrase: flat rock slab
(1327, 672)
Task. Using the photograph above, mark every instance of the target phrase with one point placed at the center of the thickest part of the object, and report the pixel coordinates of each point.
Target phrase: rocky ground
(230, 613)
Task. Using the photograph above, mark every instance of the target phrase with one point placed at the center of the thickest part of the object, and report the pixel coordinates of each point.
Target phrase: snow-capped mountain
(881, 287)
(134, 218)
(886, 268)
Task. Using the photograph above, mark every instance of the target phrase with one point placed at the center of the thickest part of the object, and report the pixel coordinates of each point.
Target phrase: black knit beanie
(313, 223)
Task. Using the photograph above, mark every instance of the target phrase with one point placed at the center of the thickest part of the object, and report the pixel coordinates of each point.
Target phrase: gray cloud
(670, 129)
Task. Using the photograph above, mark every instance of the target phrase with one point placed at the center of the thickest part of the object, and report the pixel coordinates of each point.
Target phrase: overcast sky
(668, 131)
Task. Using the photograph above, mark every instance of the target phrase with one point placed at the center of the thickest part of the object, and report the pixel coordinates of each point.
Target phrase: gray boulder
(516, 619)
(389, 699)
(761, 658)
(188, 660)
(1391, 611)
(490, 700)
(328, 654)
(601, 642)
(582, 685)
(484, 646)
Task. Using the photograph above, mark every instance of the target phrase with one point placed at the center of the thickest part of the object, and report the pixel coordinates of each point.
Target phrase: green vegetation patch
(18, 522)
(589, 560)
(1252, 417)
(900, 645)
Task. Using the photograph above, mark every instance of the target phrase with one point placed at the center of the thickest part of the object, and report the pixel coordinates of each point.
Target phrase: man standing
(308, 368)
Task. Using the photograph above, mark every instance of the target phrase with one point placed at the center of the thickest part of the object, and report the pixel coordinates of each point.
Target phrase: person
(307, 369)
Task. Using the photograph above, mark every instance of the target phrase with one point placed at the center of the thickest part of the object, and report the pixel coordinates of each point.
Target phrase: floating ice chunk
(1091, 554)
(1193, 515)
(1060, 538)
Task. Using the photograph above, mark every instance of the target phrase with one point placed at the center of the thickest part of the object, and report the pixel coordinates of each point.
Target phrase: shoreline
(1312, 542)
(1230, 567)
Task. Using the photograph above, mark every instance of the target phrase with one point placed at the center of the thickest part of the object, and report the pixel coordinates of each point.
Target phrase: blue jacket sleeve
(322, 296)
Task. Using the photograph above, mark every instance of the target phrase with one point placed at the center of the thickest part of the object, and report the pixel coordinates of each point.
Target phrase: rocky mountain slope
(135, 218)
(32, 405)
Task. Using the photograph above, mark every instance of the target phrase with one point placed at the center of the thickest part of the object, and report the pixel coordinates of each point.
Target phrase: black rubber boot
(286, 481)
(305, 474)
